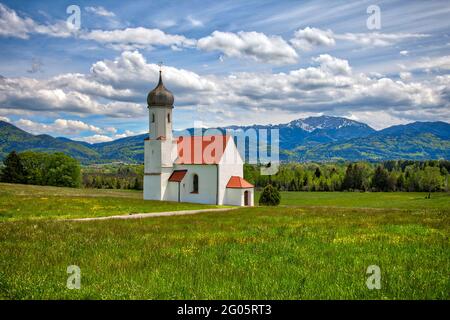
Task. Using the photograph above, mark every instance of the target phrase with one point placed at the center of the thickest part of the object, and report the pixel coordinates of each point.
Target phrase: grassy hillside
(298, 251)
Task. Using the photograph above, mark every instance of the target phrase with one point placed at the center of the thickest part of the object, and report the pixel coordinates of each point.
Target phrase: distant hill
(415, 141)
(13, 138)
(321, 138)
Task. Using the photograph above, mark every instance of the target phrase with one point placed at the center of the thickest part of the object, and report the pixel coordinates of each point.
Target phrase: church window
(153, 117)
(168, 117)
(195, 183)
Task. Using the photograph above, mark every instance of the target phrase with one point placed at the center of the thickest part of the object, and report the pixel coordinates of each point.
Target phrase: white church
(201, 169)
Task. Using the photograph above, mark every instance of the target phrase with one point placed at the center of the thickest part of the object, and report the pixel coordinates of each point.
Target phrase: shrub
(270, 196)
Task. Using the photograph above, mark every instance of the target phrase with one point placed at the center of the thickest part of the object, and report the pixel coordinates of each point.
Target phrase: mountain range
(323, 138)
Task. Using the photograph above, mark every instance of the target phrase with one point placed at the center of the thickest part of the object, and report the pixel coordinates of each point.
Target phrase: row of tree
(38, 168)
(398, 175)
(58, 169)
(112, 176)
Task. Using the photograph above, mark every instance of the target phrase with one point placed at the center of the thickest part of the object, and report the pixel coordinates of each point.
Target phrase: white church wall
(233, 197)
(152, 156)
(207, 183)
(152, 187)
(230, 165)
(171, 193)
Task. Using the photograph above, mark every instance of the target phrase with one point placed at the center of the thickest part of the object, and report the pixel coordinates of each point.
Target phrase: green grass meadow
(314, 246)
(19, 202)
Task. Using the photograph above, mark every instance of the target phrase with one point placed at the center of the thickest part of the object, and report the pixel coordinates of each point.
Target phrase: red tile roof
(201, 149)
(177, 175)
(238, 182)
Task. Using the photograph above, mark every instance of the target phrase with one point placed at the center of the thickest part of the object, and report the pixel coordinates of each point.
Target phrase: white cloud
(4, 119)
(377, 119)
(194, 22)
(333, 65)
(139, 37)
(100, 11)
(253, 45)
(378, 39)
(428, 63)
(46, 96)
(405, 76)
(308, 38)
(13, 25)
(118, 88)
(96, 138)
(404, 52)
(59, 126)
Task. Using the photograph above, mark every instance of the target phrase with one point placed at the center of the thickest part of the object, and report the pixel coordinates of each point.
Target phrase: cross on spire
(160, 64)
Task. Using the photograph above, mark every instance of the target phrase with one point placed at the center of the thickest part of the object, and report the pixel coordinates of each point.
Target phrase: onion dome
(160, 96)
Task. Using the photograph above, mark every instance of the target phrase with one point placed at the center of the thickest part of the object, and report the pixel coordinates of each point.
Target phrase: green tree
(13, 172)
(431, 179)
(270, 196)
(62, 170)
(380, 179)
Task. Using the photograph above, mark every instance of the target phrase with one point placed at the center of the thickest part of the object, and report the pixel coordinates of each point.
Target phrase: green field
(387, 200)
(36, 202)
(314, 246)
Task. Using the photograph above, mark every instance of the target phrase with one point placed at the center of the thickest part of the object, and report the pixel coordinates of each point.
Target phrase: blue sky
(227, 62)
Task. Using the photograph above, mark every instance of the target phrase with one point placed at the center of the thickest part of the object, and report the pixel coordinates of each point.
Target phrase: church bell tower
(159, 147)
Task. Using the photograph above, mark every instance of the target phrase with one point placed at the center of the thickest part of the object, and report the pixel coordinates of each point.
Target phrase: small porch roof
(238, 183)
(177, 175)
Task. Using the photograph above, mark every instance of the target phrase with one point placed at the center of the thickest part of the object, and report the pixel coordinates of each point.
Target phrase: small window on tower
(168, 117)
(153, 117)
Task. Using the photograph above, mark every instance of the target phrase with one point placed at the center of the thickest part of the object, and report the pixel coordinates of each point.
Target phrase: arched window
(153, 117)
(168, 117)
(195, 184)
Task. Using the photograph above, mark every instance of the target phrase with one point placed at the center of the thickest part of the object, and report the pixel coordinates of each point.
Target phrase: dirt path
(153, 214)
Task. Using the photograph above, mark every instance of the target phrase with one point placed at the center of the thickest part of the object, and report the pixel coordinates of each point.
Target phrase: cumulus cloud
(333, 65)
(253, 45)
(405, 76)
(4, 119)
(118, 88)
(96, 138)
(45, 96)
(59, 126)
(430, 64)
(13, 25)
(139, 37)
(308, 38)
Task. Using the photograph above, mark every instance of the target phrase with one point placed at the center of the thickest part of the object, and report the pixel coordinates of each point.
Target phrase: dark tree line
(401, 175)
